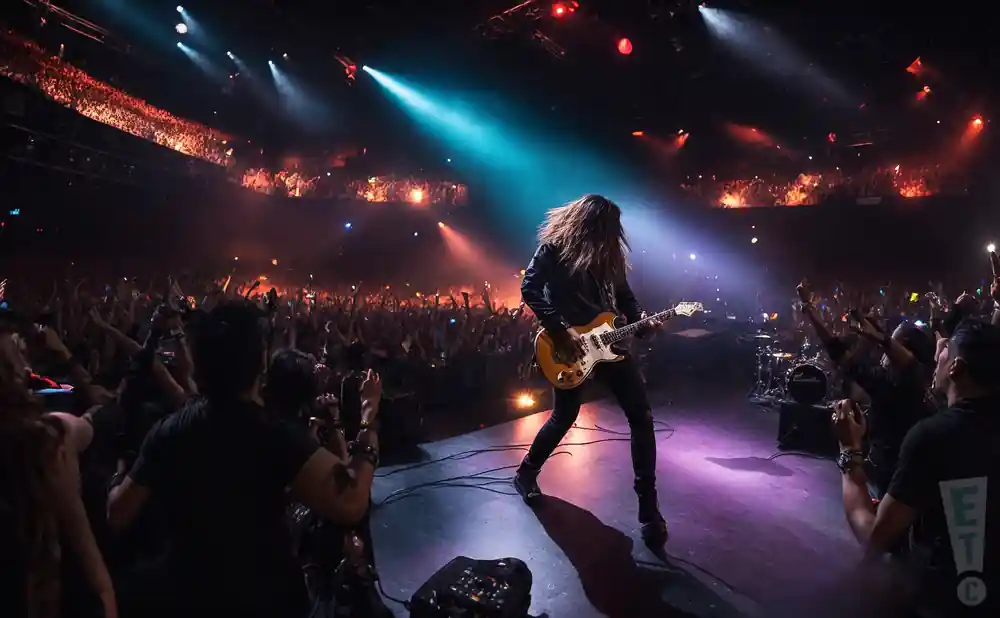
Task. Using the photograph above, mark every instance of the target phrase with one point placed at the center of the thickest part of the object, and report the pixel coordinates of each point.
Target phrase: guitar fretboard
(627, 331)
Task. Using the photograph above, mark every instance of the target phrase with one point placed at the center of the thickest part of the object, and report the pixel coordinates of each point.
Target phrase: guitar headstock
(688, 309)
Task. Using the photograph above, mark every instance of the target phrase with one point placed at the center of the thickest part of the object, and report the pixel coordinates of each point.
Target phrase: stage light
(559, 9)
(230, 54)
(693, 257)
(179, 44)
(624, 47)
(180, 9)
(416, 196)
(181, 28)
(416, 233)
(637, 133)
(524, 400)
(753, 241)
(440, 224)
(270, 63)
(977, 122)
(990, 248)
(347, 225)
(236, 259)
(274, 262)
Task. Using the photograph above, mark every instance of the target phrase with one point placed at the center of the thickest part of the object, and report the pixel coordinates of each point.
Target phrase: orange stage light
(524, 400)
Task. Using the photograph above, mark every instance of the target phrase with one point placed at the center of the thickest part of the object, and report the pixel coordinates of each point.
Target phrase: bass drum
(807, 384)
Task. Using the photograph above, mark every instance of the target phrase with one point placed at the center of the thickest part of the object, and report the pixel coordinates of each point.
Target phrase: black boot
(654, 527)
(526, 482)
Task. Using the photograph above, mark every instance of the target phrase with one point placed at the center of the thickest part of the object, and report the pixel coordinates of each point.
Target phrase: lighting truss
(521, 19)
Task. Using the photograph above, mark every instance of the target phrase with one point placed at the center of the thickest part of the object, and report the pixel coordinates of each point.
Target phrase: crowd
(413, 190)
(160, 387)
(25, 62)
(284, 183)
(814, 188)
(119, 359)
(297, 183)
(917, 430)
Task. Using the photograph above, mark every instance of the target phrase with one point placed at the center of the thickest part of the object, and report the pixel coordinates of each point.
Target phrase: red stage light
(624, 47)
(558, 10)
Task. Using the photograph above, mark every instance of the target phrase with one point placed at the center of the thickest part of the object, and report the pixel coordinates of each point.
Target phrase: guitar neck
(627, 331)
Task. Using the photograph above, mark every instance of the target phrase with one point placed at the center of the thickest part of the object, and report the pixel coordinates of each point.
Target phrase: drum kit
(803, 376)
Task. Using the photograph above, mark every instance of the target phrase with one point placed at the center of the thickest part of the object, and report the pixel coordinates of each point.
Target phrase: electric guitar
(597, 339)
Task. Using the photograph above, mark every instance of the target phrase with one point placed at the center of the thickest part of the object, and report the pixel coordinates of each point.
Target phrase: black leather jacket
(561, 299)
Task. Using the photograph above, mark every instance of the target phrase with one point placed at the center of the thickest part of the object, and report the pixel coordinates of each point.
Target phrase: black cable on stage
(499, 448)
(479, 480)
(666, 567)
(378, 582)
(799, 454)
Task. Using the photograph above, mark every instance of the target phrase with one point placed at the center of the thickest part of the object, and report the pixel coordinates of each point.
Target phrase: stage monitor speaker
(806, 428)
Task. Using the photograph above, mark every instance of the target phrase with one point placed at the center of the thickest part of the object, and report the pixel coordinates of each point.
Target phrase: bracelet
(848, 460)
(365, 451)
(117, 479)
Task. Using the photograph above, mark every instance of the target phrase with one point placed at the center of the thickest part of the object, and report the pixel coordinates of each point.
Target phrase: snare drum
(807, 384)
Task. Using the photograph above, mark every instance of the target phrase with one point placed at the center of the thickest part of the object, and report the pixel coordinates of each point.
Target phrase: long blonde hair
(589, 236)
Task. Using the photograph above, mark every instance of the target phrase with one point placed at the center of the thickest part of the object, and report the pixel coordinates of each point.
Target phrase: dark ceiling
(677, 76)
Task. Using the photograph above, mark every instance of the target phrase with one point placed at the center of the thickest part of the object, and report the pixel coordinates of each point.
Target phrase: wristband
(117, 479)
(849, 460)
(364, 451)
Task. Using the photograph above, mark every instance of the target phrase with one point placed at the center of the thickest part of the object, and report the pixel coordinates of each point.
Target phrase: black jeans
(626, 385)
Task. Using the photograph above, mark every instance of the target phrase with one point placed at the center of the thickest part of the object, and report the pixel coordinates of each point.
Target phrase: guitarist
(578, 272)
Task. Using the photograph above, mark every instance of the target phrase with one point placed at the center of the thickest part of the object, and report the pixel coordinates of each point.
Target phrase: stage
(749, 535)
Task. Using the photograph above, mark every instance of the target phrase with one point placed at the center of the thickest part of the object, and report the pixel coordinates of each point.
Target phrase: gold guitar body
(567, 376)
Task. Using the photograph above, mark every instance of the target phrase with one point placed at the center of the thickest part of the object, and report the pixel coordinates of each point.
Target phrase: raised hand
(371, 387)
(803, 291)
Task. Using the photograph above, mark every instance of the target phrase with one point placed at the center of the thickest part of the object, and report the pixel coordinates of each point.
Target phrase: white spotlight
(179, 44)
(229, 53)
(180, 9)
(693, 256)
(181, 28)
(991, 247)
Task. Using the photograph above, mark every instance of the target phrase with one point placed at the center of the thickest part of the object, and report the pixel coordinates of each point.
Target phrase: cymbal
(762, 337)
(782, 355)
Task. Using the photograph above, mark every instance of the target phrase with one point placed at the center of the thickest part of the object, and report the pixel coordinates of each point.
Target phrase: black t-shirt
(945, 466)
(898, 402)
(219, 473)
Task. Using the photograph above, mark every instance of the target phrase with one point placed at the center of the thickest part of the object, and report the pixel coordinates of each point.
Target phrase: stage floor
(749, 536)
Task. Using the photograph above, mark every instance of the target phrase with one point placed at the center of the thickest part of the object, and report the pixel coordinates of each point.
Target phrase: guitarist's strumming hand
(566, 345)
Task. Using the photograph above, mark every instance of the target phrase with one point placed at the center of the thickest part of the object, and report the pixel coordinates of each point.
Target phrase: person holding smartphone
(895, 377)
(221, 471)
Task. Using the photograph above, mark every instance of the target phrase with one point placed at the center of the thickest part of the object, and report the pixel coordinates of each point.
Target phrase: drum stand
(767, 390)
